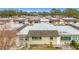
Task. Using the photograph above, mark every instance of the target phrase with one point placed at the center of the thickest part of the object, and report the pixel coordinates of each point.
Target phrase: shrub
(74, 43)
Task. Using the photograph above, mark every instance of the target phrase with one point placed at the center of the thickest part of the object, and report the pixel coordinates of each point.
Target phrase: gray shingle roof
(43, 33)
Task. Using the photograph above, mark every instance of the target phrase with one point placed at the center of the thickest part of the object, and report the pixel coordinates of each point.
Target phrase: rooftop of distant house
(62, 30)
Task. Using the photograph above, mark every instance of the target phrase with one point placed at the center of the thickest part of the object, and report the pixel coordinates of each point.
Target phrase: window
(74, 37)
(66, 38)
(36, 38)
(20, 22)
(51, 38)
(26, 39)
(78, 38)
(36, 21)
(50, 21)
(30, 21)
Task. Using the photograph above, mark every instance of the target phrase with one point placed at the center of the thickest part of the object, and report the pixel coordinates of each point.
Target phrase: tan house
(5, 20)
(32, 21)
(44, 20)
(42, 37)
(54, 20)
(20, 20)
(68, 20)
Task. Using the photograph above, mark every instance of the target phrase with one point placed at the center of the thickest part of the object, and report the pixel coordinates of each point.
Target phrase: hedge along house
(33, 20)
(44, 33)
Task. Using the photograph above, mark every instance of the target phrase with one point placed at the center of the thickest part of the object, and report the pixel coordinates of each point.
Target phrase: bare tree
(7, 38)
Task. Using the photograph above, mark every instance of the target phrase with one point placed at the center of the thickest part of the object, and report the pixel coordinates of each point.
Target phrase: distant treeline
(69, 12)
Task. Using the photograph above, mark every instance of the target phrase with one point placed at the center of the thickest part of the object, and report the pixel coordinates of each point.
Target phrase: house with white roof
(20, 20)
(44, 33)
(5, 20)
(75, 25)
(44, 20)
(68, 20)
(63, 21)
(54, 20)
(34, 19)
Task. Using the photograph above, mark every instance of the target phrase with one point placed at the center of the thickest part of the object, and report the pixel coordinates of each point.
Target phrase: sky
(33, 9)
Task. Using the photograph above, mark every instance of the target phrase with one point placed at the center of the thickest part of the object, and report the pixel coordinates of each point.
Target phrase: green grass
(40, 48)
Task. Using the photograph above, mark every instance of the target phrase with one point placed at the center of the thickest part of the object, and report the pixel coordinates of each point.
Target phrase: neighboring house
(62, 21)
(54, 20)
(48, 17)
(57, 16)
(44, 33)
(5, 20)
(68, 20)
(12, 25)
(33, 20)
(67, 34)
(44, 20)
(27, 19)
(75, 25)
(20, 20)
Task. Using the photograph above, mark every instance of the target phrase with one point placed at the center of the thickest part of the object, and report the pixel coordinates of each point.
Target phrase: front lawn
(44, 48)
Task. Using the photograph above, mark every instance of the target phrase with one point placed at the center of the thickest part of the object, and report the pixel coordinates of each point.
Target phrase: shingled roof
(43, 33)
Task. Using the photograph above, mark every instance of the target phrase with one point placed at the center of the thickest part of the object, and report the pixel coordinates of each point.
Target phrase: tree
(70, 12)
(44, 13)
(55, 12)
(7, 13)
(10, 13)
(20, 13)
(7, 38)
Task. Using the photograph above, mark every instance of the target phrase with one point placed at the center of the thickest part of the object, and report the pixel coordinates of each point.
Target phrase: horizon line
(35, 9)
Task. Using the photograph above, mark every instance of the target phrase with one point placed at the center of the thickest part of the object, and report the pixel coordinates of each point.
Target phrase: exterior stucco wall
(19, 42)
(65, 42)
(44, 40)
